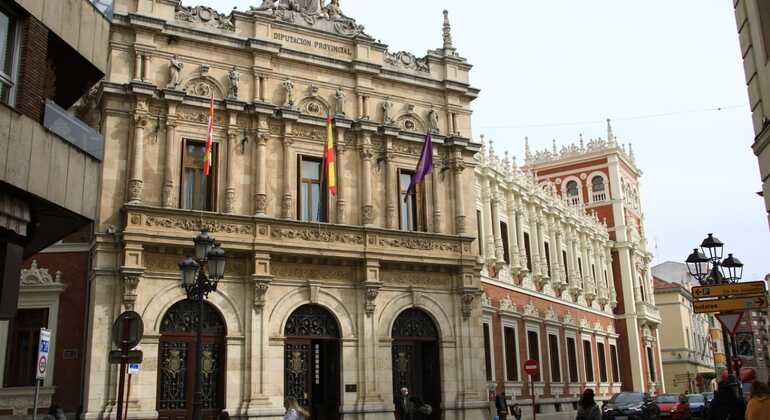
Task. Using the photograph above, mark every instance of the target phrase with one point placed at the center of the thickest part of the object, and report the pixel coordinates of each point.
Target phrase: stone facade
(275, 73)
(753, 20)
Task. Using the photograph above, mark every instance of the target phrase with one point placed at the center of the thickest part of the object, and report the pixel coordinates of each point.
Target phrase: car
(630, 406)
(670, 407)
(697, 404)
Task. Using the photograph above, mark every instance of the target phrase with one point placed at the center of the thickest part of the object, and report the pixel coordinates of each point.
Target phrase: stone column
(232, 143)
(369, 340)
(286, 200)
(520, 234)
(169, 174)
(513, 232)
(434, 191)
(365, 148)
(541, 226)
(137, 65)
(555, 249)
(457, 169)
(391, 195)
(558, 252)
(147, 60)
(498, 240)
(340, 178)
(136, 181)
(257, 80)
(260, 195)
(534, 246)
(489, 221)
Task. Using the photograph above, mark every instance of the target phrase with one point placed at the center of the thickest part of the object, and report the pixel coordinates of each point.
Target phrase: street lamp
(707, 266)
(199, 277)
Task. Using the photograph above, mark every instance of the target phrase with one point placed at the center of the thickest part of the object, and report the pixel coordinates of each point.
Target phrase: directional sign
(42, 353)
(735, 289)
(531, 367)
(131, 356)
(742, 303)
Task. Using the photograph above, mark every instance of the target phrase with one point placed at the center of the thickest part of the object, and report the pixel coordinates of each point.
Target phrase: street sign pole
(44, 345)
(531, 367)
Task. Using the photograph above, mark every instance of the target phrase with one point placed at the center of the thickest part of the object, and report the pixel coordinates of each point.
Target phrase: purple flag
(424, 166)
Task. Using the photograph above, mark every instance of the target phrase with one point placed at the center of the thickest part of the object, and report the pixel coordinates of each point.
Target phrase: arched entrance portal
(416, 359)
(177, 362)
(312, 361)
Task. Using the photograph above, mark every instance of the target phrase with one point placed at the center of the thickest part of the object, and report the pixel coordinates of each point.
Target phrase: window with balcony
(572, 360)
(598, 189)
(573, 193)
(487, 352)
(553, 356)
(311, 206)
(527, 249)
(410, 203)
(580, 272)
(588, 356)
(511, 356)
(533, 350)
(651, 364)
(564, 262)
(22, 346)
(602, 362)
(504, 237)
(615, 364)
(548, 258)
(198, 190)
(10, 42)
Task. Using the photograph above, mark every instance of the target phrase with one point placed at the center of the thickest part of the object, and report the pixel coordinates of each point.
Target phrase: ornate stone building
(336, 301)
(566, 275)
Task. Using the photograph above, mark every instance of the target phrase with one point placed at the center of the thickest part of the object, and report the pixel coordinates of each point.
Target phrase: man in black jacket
(502, 406)
(728, 402)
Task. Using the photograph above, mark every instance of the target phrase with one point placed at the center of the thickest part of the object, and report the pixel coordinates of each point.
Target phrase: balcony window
(198, 190)
(312, 205)
(572, 360)
(564, 261)
(9, 55)
(615, 366)
(651, 364)
(487, 352)
(533, 348)
(602, 362)
(573, 193)
(553, 353)
(598, 189)
(480, 236)
(511, 357)
(410, 203)
(504, 237)
(548, 258)
(527, 248)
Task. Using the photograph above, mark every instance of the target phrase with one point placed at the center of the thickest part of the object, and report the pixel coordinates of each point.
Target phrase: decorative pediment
(485, 301)
(203, 86)
(531, 310)
(584, 324)
(204, 16)
(405, 60)
(568, 319)
(311, 13)
(506, 304)
(598, 327)
(550, 315)
(411, 122)
(36, 276)
(314, 105)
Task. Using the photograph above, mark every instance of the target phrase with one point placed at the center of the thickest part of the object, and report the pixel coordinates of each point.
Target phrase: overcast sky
(552, 69)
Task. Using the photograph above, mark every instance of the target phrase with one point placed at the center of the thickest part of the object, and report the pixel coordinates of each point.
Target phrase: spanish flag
(209, 139)
(331, 171)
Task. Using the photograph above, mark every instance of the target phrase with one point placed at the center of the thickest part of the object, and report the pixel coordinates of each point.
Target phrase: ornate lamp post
(707, 266)
(200, 275)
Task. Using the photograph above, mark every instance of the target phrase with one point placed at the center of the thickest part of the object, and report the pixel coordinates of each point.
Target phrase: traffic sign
(531, 367)
(742, 303)
(127, 330)
(42, 353)
(133, 368)
(131, 356)
(730, 320)
(734, 289)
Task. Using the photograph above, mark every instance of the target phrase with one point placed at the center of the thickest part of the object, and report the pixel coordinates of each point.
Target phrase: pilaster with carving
(136, 180)
(513, 226)
(371, 286)
(130, 279)
(391, 222)
(341, 181)
(169, 174)
(365, 149)
(232, 144)
(521, 218)
(261, 279)
(435, 179)
(286, 199)
(457, 167)
(260, 195)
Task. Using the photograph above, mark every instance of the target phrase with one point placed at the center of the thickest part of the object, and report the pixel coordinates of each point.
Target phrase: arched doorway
(416, 363)
(312, 361)
(177, 362)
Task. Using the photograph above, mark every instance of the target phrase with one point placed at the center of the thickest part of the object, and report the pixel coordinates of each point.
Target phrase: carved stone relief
(203, 15)
(194, 225)
(405, 60)
(313, 234)
(313, 272)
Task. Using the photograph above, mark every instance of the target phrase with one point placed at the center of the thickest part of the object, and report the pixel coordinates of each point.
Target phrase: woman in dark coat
(728, 402)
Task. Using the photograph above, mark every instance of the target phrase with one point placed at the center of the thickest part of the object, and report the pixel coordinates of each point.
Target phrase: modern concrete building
(753, 21)
(51, 55)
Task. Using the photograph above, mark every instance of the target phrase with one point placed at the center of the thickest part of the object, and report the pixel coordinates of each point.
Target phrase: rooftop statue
(311, 13)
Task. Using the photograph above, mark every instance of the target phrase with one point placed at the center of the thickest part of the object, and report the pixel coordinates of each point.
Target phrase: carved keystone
(131, 276)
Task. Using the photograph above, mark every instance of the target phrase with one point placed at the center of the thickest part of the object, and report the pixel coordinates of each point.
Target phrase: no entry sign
(531, 367)
(42, 353)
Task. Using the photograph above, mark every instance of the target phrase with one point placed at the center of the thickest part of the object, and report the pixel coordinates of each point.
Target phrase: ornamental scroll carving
(203, 15)
(35, 276)
(371, 290)
(261, 286)
(467, 303)
(405, 60)
(419, 244)
(313, 234)
(311, 271)
(194, 225)
(131, 276)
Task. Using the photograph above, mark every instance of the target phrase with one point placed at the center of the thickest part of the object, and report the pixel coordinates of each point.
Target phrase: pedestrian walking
(294, 411)
(588, 409)
(728, 403)
(516, 411)
(759, 404)
(409, 407)
(502, 406)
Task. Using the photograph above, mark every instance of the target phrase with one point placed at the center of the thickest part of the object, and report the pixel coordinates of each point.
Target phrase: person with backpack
(588, 410)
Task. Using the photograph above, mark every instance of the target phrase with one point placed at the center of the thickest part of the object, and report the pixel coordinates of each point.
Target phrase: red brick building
(566, 275)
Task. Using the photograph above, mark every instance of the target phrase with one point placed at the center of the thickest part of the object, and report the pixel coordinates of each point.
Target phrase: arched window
(598, 190)
(573, 193)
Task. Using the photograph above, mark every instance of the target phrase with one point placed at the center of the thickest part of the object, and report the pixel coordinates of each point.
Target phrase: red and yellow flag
(209, 139)
(331, 171)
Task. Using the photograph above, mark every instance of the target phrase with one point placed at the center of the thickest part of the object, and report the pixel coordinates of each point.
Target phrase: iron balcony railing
(72, 130)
